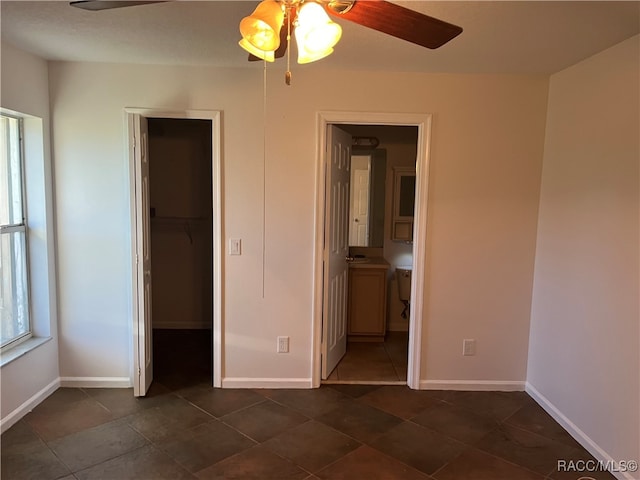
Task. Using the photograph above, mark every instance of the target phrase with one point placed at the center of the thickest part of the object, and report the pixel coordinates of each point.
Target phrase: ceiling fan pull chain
(264, 172)
(287, 75)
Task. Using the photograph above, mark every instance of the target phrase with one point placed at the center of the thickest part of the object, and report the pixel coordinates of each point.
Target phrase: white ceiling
(498, 37)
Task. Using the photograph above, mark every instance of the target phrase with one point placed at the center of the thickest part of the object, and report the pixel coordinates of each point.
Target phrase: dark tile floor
(186, 429)
(374, 361)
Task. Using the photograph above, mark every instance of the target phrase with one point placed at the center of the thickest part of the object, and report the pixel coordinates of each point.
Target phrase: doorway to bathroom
(373, 166)
(176, 224)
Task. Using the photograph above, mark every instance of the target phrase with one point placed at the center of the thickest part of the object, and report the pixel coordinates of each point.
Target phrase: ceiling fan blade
(95, 5)
(399, 22)
(282, 49)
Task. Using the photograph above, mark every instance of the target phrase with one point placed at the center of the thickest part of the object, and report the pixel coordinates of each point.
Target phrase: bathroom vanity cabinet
(367, 301)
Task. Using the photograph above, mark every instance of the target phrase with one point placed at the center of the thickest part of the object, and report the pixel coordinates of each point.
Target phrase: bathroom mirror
(366, 197)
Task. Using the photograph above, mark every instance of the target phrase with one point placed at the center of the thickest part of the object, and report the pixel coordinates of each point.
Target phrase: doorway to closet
(187, 209)
(180, 213)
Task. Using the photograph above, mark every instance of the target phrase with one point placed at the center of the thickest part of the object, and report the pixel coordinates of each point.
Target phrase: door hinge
(139, 371)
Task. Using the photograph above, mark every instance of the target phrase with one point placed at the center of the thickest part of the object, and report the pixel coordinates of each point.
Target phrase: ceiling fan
(267, 31)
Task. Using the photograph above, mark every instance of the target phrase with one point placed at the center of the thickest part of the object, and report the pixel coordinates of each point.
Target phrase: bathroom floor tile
(366, 361)
(384, 372)
(375, 361)
(396, 344)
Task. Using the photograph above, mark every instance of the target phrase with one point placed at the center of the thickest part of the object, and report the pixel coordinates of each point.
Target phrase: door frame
(423, 122)
(215, 117)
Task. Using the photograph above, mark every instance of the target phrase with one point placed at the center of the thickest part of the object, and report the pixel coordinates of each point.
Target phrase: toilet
(403, 278)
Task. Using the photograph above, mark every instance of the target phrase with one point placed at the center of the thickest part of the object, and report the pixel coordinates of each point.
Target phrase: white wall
(583, 357)
(486, 157)
(31, 377)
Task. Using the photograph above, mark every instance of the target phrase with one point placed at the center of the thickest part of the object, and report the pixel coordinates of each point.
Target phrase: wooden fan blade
(282, 49)
(399, 22)
(95, 5)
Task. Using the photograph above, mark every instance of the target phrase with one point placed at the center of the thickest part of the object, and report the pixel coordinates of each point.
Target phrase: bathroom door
(336, 249)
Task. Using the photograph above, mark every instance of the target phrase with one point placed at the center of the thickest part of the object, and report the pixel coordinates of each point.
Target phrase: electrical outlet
(468, 347)
(283, 345)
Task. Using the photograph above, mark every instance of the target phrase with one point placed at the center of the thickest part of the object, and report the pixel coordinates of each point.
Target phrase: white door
(359, 202)
(143, 355)
(336, 249)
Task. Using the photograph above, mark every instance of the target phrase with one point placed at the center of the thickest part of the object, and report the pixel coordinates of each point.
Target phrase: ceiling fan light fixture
(267, 55)
(261, 29)
(316, 34)
(305, 56)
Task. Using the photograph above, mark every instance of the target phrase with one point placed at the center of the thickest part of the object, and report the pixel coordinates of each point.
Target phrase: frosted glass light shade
(315, 33)
(269, 56)
(261, 29)
(305, 56)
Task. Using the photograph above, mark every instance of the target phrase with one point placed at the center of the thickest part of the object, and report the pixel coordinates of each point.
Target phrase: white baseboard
(96, 382)
(15, 416)
(581, 437)
(473, 385)
(242, 382)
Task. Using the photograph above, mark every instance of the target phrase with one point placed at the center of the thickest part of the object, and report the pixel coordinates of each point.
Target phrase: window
(14, 285)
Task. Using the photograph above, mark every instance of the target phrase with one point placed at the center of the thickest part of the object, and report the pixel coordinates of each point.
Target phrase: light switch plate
(235, 246)
(468, 347)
